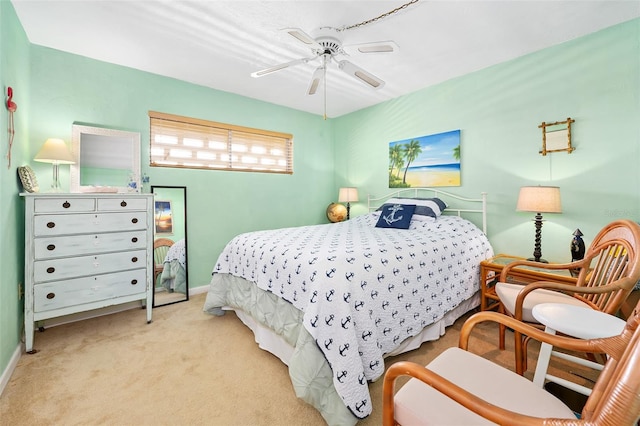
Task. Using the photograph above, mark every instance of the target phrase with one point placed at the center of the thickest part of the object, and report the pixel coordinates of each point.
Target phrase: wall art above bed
(425, 161)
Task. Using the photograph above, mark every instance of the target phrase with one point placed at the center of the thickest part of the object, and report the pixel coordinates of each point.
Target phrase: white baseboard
(13, 363)
(198, 290)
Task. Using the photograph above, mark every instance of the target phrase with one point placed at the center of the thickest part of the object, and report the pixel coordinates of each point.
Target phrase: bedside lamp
(348, 195)
(539, 199)
(54, 151)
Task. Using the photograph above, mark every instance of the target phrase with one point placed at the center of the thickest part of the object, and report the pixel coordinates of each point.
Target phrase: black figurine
(577, 250)
(577, 246)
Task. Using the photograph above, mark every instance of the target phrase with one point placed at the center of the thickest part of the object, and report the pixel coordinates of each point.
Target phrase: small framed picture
(163, 217)
(28, 179)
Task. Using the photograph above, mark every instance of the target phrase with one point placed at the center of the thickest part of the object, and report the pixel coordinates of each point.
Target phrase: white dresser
(84, 252)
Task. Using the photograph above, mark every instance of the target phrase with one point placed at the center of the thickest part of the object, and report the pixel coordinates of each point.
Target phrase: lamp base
(533, 259)
(55, 184)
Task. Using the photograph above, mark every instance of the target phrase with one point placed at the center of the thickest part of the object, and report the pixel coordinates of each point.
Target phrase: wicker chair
(606, 276)
(460, 388)
(160, 248)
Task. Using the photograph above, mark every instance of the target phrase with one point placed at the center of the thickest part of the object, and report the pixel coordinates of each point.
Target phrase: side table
(574, 321)
(491, 268)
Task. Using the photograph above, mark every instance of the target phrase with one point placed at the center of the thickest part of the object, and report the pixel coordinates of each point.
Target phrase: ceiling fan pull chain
(377, 18)
(324, 84)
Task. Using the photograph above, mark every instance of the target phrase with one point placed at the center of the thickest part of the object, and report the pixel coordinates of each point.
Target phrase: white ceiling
(219, 43)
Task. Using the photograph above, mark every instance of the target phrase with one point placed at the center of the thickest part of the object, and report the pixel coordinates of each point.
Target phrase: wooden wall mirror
(107, 160)
(170, 282)
(556, 137)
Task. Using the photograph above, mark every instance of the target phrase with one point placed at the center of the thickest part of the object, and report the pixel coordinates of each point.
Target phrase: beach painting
(163, 217)
(425, 161)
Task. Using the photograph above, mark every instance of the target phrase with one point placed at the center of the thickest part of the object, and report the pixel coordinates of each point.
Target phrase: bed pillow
(432, 207)
(395, 216)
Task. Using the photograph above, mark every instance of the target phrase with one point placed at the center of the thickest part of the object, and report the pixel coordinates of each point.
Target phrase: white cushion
(508, 293)
(416, 403)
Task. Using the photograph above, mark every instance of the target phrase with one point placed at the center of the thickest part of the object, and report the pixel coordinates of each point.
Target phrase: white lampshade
(54, 151)
(539, 199)
(348, 195)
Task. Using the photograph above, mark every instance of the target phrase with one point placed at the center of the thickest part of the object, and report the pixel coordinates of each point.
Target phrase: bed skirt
(277, 327)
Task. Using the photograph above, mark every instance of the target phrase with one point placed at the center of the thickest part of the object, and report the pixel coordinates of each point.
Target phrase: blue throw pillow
(396, 216)
(432, 207)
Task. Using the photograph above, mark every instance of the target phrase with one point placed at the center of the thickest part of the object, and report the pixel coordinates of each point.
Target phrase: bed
(332, 301)
(173, 278)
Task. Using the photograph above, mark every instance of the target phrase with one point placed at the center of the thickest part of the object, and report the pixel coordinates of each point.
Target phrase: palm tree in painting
(395, 159)
(456, 153)
(411, 151)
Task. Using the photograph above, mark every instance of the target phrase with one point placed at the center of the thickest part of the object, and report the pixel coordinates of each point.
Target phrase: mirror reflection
(107, 160)
(170, 245)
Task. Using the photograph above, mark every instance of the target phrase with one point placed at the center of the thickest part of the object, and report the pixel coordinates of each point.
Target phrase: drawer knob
(134, 282)
(134, 220)
(134, 259)
(66, 205)
(123, 203)
(51, 295)
(51, 247)
(134, 240)
(51, 270)
(51, 225)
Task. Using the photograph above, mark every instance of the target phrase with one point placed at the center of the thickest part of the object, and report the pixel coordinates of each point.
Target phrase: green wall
(594, 80)
(14, 73)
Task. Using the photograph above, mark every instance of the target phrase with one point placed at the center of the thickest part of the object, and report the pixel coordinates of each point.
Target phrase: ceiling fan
(328, 48)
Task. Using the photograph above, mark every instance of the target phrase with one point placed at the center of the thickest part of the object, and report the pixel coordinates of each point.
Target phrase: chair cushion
(416, 403)
(508, 293)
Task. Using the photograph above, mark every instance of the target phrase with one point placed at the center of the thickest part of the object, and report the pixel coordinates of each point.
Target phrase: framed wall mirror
(170, 276)
(107, 160)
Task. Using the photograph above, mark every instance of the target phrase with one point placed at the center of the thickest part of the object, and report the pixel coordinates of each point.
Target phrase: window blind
(177, 141)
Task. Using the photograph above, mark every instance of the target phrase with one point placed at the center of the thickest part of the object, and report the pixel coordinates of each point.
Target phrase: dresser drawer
(58, 269)
(76, 245)
(88, 223)
(121, 204)
(51, 205)
(61, 294)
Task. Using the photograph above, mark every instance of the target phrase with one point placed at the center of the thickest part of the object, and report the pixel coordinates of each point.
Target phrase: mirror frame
(156, 236)
(76, 147)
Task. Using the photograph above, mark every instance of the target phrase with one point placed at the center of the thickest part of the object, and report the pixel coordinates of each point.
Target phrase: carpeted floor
(185, 368)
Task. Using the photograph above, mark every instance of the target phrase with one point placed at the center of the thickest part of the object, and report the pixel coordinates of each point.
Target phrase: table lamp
(539, 199)
(348, 195)
(55, 151)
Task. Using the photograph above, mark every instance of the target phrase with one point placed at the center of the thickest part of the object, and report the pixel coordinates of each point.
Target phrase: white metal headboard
(374, 202)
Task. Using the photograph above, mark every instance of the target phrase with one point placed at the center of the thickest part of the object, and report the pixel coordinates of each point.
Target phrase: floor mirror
(170, 275)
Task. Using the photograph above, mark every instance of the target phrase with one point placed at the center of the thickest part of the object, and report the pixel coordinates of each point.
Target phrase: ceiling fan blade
(303, 38)
(316, 79)
(279, 67)
(373, 47)
(360, 74)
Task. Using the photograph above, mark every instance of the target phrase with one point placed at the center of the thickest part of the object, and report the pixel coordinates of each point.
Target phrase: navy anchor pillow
(396, 216)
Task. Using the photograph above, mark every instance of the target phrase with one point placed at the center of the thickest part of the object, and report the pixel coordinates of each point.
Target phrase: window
(177, 141)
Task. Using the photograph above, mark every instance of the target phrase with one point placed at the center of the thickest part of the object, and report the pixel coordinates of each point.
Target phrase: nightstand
(491, 268)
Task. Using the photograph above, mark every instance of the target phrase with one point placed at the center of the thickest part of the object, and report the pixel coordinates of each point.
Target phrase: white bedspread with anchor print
(363, 290)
